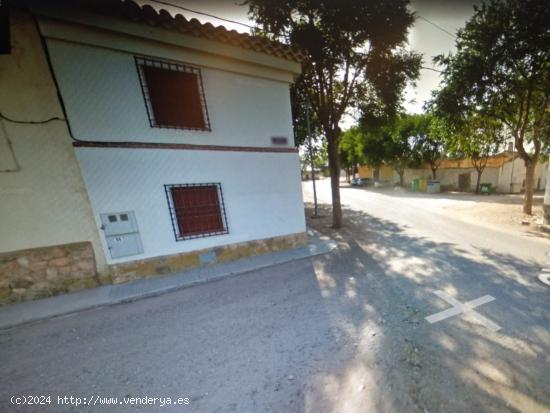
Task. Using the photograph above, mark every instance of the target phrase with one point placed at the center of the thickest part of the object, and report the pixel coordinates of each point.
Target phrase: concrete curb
(30, 311)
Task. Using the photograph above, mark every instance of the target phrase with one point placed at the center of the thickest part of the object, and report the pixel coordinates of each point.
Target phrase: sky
(430, 40)
(424, 37)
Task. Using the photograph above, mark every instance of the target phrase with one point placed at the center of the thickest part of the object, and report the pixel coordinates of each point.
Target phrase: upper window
(173, 94)
(197, 210)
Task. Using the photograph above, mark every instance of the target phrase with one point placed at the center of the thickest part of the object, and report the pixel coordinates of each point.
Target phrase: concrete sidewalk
(30, 311)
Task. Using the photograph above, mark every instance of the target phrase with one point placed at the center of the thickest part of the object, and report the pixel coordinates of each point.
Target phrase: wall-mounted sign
(279, 140)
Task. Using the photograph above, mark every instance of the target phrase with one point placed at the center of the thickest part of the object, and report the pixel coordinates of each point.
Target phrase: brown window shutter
(175, 98)
(197, 209)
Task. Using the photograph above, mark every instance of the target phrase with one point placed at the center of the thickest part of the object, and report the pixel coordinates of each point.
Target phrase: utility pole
(546, 204)
(512, 172)
(311, 160)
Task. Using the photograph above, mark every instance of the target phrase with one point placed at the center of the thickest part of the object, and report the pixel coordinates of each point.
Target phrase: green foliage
(355, 58)
(376, 144)
(320, 156)
(502, 70)
(299, 104)
(351, 148)
(402, 153)
(355, 54)
(429, 134)
(477, 138)
(390, 141)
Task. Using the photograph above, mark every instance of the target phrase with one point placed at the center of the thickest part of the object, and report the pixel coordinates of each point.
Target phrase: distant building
(505, 175)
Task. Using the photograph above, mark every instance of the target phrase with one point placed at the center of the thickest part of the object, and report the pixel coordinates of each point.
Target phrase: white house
(140, 143)
(504, 171)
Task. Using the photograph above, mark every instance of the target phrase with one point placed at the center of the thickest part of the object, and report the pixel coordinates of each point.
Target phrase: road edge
(33, 311)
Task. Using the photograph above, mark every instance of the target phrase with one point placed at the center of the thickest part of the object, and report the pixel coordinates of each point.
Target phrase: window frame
(176, 67)
(174, 218)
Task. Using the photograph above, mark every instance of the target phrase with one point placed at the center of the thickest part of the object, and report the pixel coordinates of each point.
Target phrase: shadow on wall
(383, 281)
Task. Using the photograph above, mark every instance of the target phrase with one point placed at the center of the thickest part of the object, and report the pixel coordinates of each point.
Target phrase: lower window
(197, 210)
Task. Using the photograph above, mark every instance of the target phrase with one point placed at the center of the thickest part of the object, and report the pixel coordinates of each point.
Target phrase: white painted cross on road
(544, 276)
(466, 308)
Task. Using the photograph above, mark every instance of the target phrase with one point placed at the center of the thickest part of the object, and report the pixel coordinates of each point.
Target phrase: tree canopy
(501, 69)
(355, 58)
(477, 138)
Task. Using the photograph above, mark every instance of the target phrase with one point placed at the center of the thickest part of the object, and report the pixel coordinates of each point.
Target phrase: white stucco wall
(44, 202)
(499, 177)
(449, 176)
(262, 192)
(104, 100)
(516, 175)
(247, 103)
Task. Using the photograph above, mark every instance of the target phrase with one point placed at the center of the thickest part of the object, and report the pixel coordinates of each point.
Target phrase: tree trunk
(334, 166)
(546, 204)
(529, 186)
(401, 177)
(434, 173)
(478, 182)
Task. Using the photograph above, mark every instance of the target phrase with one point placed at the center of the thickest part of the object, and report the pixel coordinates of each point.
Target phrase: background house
(171, 146)
(505, 175)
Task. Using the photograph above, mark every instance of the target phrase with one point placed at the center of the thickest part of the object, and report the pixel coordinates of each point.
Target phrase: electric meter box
(121, 234)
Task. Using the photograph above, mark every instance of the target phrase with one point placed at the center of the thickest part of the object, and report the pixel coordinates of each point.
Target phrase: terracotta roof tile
(146, 14)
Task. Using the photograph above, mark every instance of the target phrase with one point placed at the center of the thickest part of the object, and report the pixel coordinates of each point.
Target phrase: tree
(298, 100)
(376, 146)
(428, 140)
(387, 140)
(476, 138)
(502, 70)
(351, 152)
(354, 53)
(401, 152)
(319, 149)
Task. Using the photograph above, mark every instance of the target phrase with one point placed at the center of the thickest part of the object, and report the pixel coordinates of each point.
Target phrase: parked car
(366, 181)
(361, 181)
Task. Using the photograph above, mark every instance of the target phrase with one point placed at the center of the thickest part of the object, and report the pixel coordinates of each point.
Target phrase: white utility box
(121, 234)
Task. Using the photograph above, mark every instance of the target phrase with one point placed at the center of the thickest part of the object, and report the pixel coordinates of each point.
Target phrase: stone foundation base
(42, 272)
(153, 267)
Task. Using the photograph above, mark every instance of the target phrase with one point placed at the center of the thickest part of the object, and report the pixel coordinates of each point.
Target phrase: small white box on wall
(121, 234)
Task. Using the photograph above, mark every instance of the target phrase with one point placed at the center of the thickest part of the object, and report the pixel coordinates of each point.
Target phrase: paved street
(344, 332)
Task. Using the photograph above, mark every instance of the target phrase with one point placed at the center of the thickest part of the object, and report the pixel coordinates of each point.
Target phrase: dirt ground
(496, 210)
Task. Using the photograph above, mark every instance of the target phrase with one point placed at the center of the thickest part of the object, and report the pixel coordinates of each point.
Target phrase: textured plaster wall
(44, 202)
(261, 191)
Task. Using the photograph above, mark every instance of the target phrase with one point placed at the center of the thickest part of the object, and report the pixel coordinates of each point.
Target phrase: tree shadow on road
(342, 332)
(456, 365)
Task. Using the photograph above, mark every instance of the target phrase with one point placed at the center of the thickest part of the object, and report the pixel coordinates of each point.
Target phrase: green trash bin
(486, 188)
(415, 185)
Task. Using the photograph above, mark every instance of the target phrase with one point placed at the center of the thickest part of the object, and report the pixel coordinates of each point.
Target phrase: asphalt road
(344, 332)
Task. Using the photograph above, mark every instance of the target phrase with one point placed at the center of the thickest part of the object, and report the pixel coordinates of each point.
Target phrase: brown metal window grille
(197, 210)
(174, 95)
